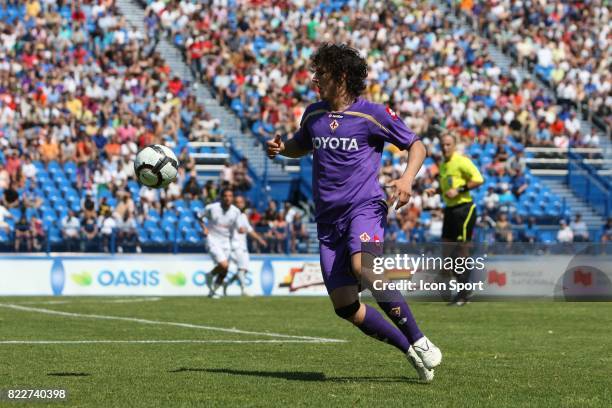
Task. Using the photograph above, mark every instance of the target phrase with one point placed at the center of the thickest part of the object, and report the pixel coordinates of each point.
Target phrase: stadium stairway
(557, 186)
(245, 145)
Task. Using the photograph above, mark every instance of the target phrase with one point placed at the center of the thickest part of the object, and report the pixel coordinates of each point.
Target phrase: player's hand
(401, 192)
(205, 230)
(263, 242)
(275, 146)
(452, 193)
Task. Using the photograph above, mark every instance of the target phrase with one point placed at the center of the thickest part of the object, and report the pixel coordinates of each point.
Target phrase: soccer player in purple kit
(346, 134)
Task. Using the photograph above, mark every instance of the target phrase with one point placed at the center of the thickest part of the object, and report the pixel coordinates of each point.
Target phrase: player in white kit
(220, 223)
(239, 247)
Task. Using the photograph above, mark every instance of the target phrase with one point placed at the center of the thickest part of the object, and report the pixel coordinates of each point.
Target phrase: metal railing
(586, 183)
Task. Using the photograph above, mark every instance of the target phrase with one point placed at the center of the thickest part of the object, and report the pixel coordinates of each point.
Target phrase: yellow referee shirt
(454, 173)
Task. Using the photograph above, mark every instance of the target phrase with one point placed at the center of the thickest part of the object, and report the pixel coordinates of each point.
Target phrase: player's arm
(292, 148)
(203, 220)
(298, 146)
(403, 185)
(393, 130)
(258, 238)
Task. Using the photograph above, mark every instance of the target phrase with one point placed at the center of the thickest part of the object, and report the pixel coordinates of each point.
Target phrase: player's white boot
(430, 355)
(425, 374)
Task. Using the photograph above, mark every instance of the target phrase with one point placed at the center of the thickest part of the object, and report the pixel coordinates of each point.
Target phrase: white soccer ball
(156, 166)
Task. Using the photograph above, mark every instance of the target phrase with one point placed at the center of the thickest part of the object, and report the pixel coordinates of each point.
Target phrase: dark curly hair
(342, 61)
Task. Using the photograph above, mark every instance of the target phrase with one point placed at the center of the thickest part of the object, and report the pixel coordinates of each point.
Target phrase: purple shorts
(337, 242)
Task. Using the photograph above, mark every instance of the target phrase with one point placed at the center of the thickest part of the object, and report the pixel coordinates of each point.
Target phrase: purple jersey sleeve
(392, 128)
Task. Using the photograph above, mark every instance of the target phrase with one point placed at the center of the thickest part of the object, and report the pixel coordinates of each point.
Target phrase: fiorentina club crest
(364, 237)
(334, 125)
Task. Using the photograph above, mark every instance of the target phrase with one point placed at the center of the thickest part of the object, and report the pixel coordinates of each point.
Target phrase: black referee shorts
(459, 222)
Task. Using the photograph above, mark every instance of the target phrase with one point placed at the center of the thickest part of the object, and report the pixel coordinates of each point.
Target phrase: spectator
(49, 150)
(71, 229)
(530, 232)
(299, 234)
(503, 229)
(433, 233)
(565, 233)
(279, 231)
(606, 231)
(4, 214)
(23, 234)
(89, 233)
(38, 233)
(5, 177)
(106, 225)
(192, 189)
(580, 229)
(227, 174)
(10, 198)
(491, 200)
(31, 199)
(89, 207)
(519, 183)
(125, 206)
(127, 237)
(506, 197)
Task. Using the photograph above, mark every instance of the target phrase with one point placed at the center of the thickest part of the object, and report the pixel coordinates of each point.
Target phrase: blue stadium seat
(170, 216)
(157, 236)
(196, 205)
(150, 224)
(143, 237)
(55, 236)
(3, 236)
(53, 167)
(70, 168)
(153, 215)
(167, 225)
(180, 205)
(192, 237)
(185, 225)
(187, 217)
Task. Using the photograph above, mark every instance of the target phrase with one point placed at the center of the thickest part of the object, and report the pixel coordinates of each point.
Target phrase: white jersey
(239, 239)
(221, 224)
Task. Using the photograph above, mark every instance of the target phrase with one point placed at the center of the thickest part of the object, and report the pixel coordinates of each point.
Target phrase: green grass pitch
(536, 354)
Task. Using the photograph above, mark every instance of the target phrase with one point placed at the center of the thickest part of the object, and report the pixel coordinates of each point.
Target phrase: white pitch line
(273, 341)
(158, 322)
(61, 302)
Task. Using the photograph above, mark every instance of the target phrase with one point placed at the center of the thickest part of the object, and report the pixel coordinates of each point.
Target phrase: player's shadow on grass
(65, 374)
(296, 375)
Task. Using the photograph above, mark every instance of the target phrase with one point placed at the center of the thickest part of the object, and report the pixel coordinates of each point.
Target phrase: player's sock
(399, 312)
(241, 276)
(376, 326)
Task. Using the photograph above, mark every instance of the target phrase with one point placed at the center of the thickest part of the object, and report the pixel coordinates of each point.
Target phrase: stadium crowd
(437, 77)
(256, 60)
(81, 91)
(566, 42)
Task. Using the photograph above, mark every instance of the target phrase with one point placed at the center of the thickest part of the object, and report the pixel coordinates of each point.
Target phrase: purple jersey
(347, 148)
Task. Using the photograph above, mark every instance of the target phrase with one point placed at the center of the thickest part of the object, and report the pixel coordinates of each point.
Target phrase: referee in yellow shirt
(458, 175)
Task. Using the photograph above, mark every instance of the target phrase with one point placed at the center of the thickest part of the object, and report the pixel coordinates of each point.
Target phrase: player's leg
(347, 306)
(242, 260)
(368, 226)
(464, 246)
(343, 291)
(215, 278)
